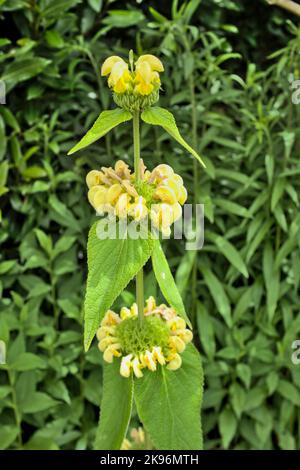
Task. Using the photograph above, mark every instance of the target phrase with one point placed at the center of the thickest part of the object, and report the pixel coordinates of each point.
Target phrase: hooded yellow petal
(152, 60)
(109, 63)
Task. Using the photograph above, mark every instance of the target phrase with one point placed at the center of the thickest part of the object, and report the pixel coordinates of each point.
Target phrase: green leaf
(289, 391)
(227, 426)
(161, 117)
(116, 408)
(169, 402)
(3, 171)
(105, 123)
(7, 435)
(123, 18)
(44, 240)
(112, 263)
(24, 69)
(218, 293)
(184, 270)
(96, 5)
(206, 330)
(28, 361)
(231, 253)
(33, 172)
(232, 207)
(166, 281)
(54, 8)
(36, 402)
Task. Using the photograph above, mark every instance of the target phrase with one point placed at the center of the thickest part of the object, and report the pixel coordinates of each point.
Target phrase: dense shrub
(244, 294)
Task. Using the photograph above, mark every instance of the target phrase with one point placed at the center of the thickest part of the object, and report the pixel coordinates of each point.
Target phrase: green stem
(196, 186)
(137, 158)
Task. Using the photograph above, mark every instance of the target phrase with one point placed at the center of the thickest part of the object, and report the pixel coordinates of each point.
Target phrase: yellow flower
(177, 211)
(162, 171)
(105, 331)
(125, 313)
(162, 217)
(126, 365)
(182, 195)
(110, 319)
(177, 344)
(109, 63)
(98, 197)
(105, 342)
(148, 360)
(175, 363)
(136, 366)
(122, 206)
(147, 78)
(152, 60)
(119, 76)
(139, 210)
(158, 355)
(93, 178)
(134, 310)
(120, 336)
(113, 193)
(91, 194)
(165, 194)
(122, 169)
(112, 351)
(150, 304)
(186, 335)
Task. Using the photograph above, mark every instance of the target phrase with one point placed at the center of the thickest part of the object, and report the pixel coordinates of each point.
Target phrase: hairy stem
(137, 159)
(195, 185)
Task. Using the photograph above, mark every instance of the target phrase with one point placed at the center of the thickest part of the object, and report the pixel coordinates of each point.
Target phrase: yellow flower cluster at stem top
(143, 80)
(158, 194)
(166, 354)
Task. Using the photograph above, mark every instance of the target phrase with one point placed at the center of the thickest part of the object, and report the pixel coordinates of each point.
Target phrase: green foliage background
(248, 272)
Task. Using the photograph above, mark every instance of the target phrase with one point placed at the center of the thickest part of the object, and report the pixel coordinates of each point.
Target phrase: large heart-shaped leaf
(115, 408)
(169, 402)
(112, 263)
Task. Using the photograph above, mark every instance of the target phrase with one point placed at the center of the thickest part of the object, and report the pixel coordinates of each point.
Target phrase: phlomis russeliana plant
(147, 348)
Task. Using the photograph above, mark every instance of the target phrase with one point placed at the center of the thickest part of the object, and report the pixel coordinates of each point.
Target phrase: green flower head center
(136, 339)
(146, 190)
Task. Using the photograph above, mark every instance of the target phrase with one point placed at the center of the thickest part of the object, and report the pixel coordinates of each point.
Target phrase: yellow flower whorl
(134, 89)
(164, 338)
(159, 195)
